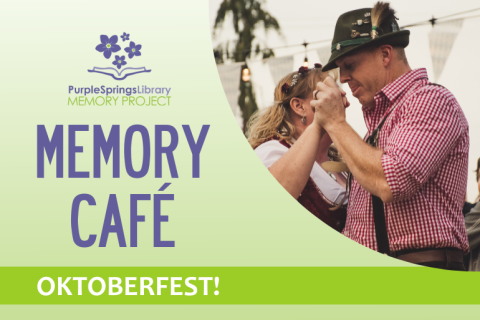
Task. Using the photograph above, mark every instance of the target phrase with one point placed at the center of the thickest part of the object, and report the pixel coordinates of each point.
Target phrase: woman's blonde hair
(275, 120)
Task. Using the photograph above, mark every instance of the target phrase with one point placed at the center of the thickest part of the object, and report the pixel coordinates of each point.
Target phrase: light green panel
(234, 215)
(335, 312)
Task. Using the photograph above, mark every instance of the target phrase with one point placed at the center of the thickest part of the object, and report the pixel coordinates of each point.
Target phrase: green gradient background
(234, 215)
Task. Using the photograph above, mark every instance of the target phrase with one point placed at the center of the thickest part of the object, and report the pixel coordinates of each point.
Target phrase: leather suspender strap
(381, 234)
(380, 225)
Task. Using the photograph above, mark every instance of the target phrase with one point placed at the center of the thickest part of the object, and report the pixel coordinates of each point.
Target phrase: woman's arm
(293, 169)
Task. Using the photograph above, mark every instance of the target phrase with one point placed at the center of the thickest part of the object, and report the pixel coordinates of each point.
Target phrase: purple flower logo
(125, 36)
(108, 45)
(133, 50)
(119, 70)
(119, 61)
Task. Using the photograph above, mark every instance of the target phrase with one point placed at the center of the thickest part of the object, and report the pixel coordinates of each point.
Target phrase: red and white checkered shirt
(426, 143)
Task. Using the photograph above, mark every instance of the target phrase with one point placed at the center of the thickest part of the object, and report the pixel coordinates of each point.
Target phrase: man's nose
(344, 77)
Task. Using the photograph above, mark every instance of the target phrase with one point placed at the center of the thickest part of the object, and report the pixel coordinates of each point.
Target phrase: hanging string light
(432, 22)
(305, 61)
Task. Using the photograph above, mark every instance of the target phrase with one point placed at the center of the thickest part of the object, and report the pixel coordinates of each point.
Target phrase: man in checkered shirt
(419, 167)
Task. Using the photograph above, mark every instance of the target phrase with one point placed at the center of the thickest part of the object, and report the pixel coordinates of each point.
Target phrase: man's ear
(297, 106)
(386, 51)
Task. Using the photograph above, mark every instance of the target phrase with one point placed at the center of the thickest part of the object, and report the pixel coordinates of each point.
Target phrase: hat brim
(399, 38)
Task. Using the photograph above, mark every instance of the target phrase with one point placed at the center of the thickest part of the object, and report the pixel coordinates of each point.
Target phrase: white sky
(311, 20)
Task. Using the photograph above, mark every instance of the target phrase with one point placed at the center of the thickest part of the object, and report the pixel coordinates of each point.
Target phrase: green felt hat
(354, 31)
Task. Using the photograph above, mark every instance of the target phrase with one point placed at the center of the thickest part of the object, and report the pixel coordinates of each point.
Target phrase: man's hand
(329, 103)
(364, 161)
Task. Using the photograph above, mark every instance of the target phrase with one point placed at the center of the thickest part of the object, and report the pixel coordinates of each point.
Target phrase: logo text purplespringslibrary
(118, 90)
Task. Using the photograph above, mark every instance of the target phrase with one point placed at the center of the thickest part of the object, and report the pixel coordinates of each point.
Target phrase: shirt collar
(385, 97)
(403, 83)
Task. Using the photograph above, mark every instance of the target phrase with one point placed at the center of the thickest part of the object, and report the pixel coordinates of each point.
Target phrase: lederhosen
(451, 254)
(314, 201)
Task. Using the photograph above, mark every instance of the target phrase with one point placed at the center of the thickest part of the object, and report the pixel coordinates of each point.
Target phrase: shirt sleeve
(421, 140)
(270, 151)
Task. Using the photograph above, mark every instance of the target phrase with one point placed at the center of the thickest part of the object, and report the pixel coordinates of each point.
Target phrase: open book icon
(116, 74)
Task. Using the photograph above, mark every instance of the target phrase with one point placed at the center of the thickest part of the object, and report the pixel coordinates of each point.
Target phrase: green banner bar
(237, 285)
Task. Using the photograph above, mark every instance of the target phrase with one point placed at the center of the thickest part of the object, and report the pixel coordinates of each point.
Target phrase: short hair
(399, 51)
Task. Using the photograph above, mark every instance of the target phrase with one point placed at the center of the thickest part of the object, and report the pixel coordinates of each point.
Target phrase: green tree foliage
(248, 15)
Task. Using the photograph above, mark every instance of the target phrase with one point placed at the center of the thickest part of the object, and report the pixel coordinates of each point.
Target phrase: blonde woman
(290, 142)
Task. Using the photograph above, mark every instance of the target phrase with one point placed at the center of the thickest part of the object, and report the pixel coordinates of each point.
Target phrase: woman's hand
(317, 122)
(346, 103)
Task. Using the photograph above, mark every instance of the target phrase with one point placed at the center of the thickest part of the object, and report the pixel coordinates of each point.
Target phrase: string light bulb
(305, 62)
(245, 73)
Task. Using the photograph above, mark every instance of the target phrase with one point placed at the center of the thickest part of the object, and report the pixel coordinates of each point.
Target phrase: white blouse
(271, 151)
